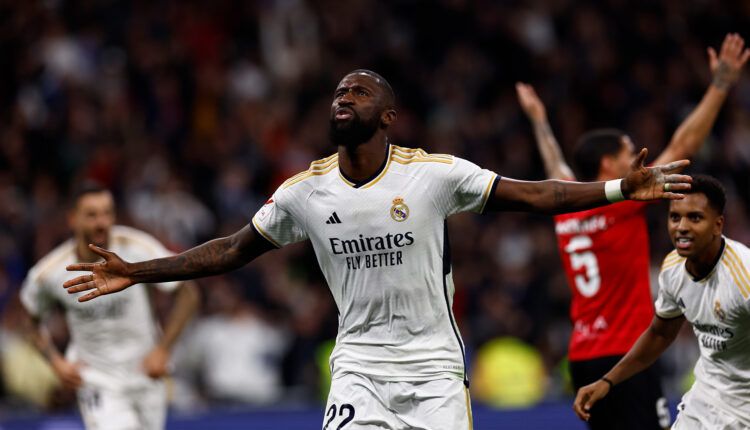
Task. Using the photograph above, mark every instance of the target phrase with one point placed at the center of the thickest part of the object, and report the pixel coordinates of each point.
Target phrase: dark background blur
(193, 112)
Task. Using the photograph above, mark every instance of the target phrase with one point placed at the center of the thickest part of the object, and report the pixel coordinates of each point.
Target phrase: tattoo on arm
(559, 194)
(723, 76)
(211, 258)
(544, 130)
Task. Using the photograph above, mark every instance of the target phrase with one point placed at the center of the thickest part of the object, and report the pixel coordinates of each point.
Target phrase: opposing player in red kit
(605, 251)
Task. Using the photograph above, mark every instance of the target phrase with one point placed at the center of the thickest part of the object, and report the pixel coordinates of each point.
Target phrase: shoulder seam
(418, 155)
(312, 171)
(45, 265)
(141, 238)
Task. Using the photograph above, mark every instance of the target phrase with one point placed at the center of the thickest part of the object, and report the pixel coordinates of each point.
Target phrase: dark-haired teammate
(706, 281)
(117, 356)
(605, 251)
(376, 216)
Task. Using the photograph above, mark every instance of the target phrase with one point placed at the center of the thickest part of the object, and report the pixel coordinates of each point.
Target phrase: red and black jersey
(605, 252)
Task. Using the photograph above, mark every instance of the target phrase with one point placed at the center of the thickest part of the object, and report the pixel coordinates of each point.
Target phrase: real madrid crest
(720, 314)
(399, 210)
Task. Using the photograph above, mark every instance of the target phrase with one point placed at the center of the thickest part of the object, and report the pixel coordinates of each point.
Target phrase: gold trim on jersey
(348, 182)
(418, 155)
(317, 168)
(486, 195)
(739, 273)
(672, 259)
(264, 234)
(382, 173)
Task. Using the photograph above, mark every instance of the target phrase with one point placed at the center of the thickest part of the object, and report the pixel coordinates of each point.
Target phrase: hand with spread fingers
(106, 277)
(587, 396)
(727, 65)
(657, 182)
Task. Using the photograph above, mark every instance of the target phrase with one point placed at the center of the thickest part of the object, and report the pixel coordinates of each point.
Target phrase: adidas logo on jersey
(334, 219)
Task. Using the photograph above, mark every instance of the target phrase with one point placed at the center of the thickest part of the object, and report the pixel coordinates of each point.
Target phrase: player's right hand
(106, 277)
(68, 373)
(531, 103)
(587, 396)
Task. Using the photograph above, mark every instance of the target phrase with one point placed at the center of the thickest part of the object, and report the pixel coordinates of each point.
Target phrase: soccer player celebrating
(605, 251)
(376, 216)
(115, 360)
(706, 281)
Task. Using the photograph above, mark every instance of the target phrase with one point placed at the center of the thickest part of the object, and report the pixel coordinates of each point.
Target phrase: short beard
(353, 133)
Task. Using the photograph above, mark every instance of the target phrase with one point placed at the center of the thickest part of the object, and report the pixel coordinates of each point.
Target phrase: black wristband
(611, 384)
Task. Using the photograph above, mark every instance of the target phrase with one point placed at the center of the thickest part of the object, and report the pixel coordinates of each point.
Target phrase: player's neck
(703, 264)
(84, 254)
(360, 162)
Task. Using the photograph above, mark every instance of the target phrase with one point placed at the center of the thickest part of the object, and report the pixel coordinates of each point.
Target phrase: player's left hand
(727, 65)
(587, 396)
(656, 182)
(156, 363)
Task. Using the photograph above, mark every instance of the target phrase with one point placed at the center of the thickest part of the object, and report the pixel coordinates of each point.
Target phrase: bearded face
(348, 128)
(358, 104)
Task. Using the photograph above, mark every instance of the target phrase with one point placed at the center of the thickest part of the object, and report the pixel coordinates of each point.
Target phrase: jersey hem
(264, 235)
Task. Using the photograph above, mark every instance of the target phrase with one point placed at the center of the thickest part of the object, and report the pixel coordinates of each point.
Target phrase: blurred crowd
(193, 112)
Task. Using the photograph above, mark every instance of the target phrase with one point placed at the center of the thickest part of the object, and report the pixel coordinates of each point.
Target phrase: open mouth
(683, 242)
(343, 113)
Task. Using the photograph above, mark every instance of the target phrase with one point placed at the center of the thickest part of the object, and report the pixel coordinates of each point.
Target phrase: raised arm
(652, 343)
(726, 69)
(211, 258)
(552, 157)
(554, 196)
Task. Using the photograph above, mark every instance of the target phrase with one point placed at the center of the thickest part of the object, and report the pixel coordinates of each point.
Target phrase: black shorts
(637, 403)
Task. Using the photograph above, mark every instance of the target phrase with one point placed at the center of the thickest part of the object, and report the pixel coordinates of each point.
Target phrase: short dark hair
(390, 95)
(86, 187)
(592, 147)
(712, 189)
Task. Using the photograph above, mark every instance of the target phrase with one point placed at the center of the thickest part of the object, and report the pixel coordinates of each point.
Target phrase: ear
(387, 117)
(71, 218)
(719, 225)
(606, 165)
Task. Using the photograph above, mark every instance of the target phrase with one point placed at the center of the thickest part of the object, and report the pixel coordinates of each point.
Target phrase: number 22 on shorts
(581, 257)
(344, 409)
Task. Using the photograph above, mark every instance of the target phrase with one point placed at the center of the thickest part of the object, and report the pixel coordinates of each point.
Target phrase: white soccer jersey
(383, 248)
(111, 335)
(718, 307)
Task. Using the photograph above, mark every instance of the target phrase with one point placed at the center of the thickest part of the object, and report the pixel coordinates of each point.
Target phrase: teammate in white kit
(705, 281)
(375, 214)
(116, 357)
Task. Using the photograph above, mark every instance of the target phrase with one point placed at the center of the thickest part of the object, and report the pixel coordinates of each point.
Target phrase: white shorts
(698, 411)
(358, 402)
(141, 409)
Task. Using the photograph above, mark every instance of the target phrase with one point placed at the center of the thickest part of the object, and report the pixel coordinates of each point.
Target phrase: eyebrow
(354, 87)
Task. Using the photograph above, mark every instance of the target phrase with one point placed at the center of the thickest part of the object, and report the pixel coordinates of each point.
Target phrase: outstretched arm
(552, 157)
(554, 196)
(652, 343)
(726, 69)
(211, 258)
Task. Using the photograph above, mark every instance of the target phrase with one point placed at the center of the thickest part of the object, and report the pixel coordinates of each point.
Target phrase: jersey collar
(375, 177)
(715, 265)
